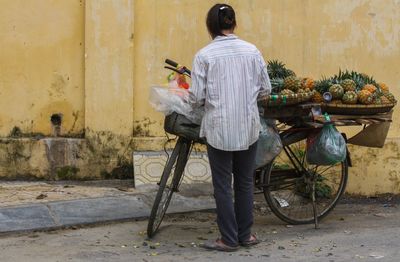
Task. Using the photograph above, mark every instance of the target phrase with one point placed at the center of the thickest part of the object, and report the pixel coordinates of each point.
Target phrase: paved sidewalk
(126, 204)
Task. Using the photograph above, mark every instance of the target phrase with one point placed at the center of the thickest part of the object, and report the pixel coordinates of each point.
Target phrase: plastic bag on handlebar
(269, 143)
(169, 100)
(327, 147)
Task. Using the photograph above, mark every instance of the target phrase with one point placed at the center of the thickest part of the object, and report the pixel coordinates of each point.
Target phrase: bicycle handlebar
(171, 62)
(176, 65)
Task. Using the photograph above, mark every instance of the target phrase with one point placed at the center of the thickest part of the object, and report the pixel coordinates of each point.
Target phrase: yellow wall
(41, 65)
(312, 37)
(109, 66)
(95, 60)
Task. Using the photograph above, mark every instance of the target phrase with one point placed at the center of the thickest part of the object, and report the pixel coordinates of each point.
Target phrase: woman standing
(227, 77)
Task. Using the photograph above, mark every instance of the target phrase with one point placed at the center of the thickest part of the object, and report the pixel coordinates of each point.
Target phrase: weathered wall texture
(72, 58)
(94, 61)
(41, 65)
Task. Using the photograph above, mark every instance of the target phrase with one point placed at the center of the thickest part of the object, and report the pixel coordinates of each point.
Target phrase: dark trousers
(234, 218)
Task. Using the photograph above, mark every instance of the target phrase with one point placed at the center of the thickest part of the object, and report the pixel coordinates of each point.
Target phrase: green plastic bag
(327, 147)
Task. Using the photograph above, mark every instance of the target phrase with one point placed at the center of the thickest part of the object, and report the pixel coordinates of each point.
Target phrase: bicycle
(296, 192)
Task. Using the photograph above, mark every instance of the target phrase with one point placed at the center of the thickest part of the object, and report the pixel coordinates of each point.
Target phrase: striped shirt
(227, 77)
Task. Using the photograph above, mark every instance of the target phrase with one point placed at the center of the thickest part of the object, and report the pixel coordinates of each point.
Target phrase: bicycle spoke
(328, 168)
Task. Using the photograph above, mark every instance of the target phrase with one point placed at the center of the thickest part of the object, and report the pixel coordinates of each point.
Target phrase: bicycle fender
(290, 137)
(348, 158)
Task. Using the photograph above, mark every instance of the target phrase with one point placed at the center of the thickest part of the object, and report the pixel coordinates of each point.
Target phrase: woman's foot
(251, 242)
(219, 245)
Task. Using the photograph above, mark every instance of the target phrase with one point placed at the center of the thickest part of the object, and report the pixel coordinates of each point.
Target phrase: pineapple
(365, 97)
(348, 85)
(292, 83)
(360, 79)
(390, 97)
(277, 85)
(317, 97)
(323, 85)
(337, 91)
(384, 100)
(277, 69)
(307, 83)
(383, 87)
(303, 91)
(350, 97)
(369, 87)
(378, 101)
(286, 92)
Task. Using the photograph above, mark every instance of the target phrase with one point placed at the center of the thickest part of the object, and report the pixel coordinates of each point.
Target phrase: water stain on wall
(141, 128)
(72, 120)
(58, 85)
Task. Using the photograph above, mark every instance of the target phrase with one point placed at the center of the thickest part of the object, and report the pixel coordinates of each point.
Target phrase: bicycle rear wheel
(168, 184)
(288, 184)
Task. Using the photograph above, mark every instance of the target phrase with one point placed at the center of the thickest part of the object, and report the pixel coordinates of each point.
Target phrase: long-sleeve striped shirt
(227, 77)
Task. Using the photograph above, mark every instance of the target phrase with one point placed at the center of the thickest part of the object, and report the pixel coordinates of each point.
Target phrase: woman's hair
(220, 17)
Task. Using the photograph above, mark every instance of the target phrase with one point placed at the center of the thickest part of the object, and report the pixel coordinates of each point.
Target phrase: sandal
(219, 246)
(251, 242)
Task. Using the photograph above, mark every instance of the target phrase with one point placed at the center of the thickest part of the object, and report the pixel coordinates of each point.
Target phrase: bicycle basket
(179, 125)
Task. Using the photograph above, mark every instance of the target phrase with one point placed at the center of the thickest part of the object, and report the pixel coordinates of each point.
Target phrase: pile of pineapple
(352, 88)
(347, 87)
(285, 82)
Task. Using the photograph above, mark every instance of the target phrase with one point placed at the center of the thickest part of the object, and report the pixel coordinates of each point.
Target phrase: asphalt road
(353, 232)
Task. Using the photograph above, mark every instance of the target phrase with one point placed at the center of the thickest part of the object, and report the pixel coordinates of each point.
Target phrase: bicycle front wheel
(288, 185)
(168, 184)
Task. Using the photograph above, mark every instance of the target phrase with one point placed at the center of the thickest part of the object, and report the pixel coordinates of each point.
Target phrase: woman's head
(220, 17)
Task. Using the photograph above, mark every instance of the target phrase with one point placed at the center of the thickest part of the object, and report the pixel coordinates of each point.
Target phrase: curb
(91, 211)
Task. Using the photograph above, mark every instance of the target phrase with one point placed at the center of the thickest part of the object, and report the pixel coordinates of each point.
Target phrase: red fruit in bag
(184, 85)
(181, 79)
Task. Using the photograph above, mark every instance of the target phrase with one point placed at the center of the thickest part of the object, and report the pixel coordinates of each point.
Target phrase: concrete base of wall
(99, 156)
(106, 156)
(375, 171)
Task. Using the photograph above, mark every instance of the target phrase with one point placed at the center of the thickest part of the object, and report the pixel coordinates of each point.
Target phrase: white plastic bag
(269, 143)
(169, 100)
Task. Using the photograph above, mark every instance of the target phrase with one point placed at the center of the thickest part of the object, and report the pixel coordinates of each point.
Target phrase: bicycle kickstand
(314, 205)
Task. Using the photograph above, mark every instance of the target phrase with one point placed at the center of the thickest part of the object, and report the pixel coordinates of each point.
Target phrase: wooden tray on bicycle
(291, 113)
(374, 132)
(344, 109)
(272, 101)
